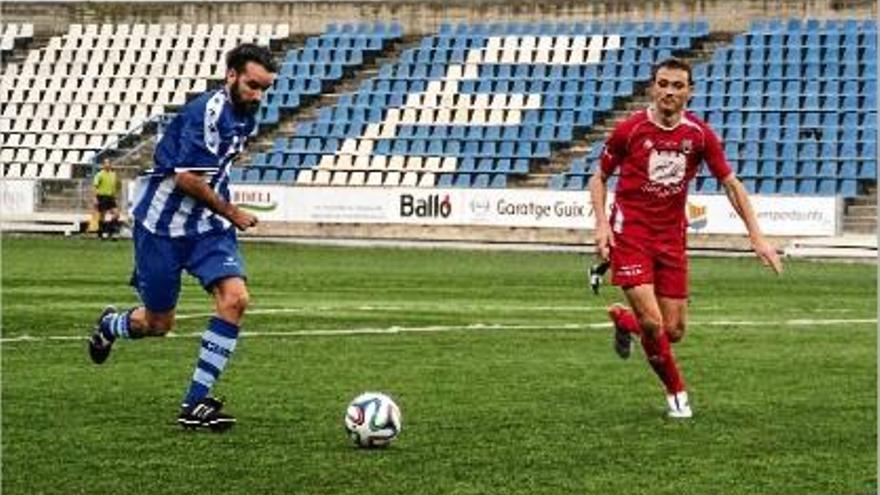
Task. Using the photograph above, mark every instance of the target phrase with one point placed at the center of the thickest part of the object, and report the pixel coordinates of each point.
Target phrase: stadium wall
(311, 17)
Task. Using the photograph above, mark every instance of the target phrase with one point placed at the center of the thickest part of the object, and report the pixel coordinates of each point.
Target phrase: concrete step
(867, 200)
(534, 181)
(45, 222)
(831, 252)
(861, 229)
(850, 245)
(860, 220)
(856, 211)
(860, 225)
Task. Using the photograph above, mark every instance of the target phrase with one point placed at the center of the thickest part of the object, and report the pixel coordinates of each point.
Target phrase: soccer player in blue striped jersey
(184, 220)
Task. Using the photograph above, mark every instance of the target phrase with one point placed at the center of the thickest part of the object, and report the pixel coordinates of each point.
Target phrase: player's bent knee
(234, 301)
(676, 333)
(650, 326)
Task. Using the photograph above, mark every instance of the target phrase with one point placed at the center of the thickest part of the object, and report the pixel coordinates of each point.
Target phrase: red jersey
(656, 164)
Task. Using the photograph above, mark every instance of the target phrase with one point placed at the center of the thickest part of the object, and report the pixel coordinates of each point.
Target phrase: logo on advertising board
(697, 216)
(254, 200)
(428, 206)
(480, 207)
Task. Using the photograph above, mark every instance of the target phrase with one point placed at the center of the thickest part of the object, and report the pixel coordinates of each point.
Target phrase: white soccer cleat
(679, 407)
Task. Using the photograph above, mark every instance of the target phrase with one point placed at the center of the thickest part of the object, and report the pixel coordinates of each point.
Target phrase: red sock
(660, 358)
(626, 320)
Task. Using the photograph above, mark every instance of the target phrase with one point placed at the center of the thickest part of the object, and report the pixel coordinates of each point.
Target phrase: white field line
(415, 307)
(466, 327)
(422, 307)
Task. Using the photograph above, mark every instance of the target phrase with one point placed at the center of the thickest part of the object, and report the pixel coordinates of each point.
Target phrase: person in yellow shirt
(106, 189)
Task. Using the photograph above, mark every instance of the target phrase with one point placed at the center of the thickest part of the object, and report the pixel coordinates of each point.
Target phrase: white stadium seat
(340, 178)
(392, 179)
(374, 179)
(322, 177)
(410, 179)
(357, 179)
(427, 180)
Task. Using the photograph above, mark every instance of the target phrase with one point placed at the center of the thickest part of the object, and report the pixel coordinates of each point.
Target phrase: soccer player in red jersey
(658, 151)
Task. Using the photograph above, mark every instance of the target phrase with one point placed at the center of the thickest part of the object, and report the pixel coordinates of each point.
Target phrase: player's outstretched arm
(194, 185)
(603, 235)
(739, 199)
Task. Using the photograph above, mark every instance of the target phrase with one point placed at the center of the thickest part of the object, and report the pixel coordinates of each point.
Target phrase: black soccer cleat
(99, 346)
(205, 414)
(596, 273)
(622, 341)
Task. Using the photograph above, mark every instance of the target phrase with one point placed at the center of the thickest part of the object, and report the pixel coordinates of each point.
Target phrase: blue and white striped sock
(218, 343)
(117, 325)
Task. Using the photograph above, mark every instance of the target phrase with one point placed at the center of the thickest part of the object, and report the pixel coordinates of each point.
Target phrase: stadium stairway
(15, 42)
(560, 161)
(861, 213)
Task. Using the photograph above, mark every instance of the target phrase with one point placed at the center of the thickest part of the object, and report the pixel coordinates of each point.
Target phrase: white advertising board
(806, 216)
(17, 197)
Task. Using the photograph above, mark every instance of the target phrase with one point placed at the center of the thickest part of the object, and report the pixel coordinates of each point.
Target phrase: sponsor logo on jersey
(687, 146)
(666, 167)
(630, 270)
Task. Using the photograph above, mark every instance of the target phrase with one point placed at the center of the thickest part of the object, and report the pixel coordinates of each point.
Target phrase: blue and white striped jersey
(204, 137)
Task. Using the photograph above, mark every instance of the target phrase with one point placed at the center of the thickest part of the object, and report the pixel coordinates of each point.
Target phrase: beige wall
(418, 17)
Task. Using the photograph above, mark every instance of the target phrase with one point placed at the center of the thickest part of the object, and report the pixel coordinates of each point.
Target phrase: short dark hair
(239, 56)
(673, 63)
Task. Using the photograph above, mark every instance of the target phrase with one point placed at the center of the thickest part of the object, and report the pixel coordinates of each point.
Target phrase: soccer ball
(372, 419)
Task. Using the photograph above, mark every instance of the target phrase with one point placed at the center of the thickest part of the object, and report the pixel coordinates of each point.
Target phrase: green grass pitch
(500, 362)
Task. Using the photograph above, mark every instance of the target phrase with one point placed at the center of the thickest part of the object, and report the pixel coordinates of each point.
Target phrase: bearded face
(246, 87)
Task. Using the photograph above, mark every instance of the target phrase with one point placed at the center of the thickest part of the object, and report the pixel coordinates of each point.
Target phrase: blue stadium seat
(847, 170)
(445, 180)
(827, 187)
(806, 186)
(767, 186)
(827, 170)
(557, 181)
(708, 185)
(848, 188)
(499, 181)
(481, 181)
(287, 176)
(767, 169)
(575, 182)
(462, 180)
(748, 169)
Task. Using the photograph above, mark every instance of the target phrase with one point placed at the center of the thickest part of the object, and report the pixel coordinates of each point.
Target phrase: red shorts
(662, 262)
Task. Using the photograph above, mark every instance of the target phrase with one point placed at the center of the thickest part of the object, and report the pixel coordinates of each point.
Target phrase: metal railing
(118, 150)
